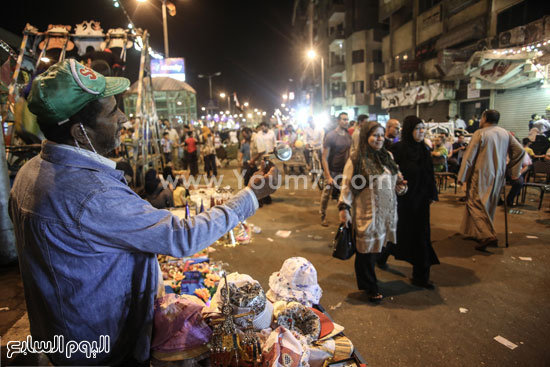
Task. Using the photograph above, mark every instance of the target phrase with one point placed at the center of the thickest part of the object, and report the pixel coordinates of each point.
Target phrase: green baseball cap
(66, 87)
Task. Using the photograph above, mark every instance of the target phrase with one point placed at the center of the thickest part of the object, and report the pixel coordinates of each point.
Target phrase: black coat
(413, 208)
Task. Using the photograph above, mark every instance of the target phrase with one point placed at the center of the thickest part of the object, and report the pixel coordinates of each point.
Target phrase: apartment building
(447, 57)
(347, 36)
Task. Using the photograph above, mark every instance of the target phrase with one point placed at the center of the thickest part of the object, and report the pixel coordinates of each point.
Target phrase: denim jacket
(87, 248)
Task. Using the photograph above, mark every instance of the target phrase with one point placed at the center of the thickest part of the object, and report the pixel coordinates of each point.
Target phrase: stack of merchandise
(247, 327)
(191, 275)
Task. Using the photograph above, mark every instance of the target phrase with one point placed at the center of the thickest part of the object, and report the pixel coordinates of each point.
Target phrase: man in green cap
(87, 243)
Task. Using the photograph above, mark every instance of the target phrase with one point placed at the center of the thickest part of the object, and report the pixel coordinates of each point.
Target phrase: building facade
(347, 37)
(459, 57)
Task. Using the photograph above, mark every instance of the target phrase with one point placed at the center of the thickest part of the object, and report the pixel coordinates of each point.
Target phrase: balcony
(337, 11)
(337, 66)
(336, 33)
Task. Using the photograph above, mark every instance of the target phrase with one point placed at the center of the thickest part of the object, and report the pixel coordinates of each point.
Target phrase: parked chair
(540, 175)
(442, 177)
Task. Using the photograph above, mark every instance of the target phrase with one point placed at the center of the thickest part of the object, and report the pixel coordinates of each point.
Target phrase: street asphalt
(479, 296)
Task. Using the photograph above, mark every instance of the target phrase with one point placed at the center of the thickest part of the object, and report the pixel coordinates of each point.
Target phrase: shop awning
(493, 70)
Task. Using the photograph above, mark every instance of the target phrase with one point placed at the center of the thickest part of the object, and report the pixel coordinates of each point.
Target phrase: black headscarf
(415, 150)
(370, 162)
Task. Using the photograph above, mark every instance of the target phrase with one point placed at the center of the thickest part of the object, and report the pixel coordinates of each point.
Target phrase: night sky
(249, 41)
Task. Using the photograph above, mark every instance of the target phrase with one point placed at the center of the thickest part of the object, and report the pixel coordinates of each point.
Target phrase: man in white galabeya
(483, 169)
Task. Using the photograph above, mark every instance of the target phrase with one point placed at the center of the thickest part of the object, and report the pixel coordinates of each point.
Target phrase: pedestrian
(209, 153)
(369, 186)
(459, 123)
(517, 184)
(473, 125)
(244, 155)
(526, 146)
(413, 209)
(313, 138)
(543, 125)
(361, 120)
(166, 145)
(86, 242)
(335, 154)
(190, 155)
(159, 195)
(392, 133)
(534, 117)
(482, 170)
(439, 151)
(351, 128)
(261, 144)
(457, 152)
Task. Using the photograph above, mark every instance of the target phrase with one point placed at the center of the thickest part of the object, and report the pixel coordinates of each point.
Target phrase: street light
(246, 104)
(223, 95)
(210, 76)
(164, 24)
(312, 55)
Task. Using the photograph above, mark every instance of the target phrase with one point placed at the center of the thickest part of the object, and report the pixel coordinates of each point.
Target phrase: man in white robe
(483, 170)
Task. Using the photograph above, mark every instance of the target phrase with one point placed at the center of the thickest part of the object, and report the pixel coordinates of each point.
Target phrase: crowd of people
(77, 255)
(390, 212)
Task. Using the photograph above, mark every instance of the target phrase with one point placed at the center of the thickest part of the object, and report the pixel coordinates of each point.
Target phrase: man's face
(105, 135)
(343, 121)
(461, 139)
(393, 129)
(264, 128)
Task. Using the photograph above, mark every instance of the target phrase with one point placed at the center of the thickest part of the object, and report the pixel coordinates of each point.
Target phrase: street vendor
(87, 243)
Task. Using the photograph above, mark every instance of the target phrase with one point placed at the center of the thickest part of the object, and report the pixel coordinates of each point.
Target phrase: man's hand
(264, 184)
(329, 180)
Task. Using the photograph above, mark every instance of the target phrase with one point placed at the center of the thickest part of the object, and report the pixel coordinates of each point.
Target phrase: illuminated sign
(173, 67)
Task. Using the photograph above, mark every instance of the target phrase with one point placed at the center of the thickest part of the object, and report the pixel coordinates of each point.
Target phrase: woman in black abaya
(413, 208)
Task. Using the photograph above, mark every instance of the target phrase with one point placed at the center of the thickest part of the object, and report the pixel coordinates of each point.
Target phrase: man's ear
(78, 134)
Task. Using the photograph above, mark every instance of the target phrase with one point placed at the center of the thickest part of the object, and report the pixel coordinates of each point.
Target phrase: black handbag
(344, 242)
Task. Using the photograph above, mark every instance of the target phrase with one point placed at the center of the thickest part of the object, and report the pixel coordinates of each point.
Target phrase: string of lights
(532, 47)
(132, 27)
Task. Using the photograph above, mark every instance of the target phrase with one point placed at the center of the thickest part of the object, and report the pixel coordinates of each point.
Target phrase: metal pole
(210, 85)
(8, 252)
(165, 29)
(505, 212)
(322, 83)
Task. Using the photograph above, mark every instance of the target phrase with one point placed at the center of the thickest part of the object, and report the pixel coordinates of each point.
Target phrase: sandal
(375, 297)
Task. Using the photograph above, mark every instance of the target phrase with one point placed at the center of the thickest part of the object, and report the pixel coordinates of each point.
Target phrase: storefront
(515, 77)
(517, 105)
(429, 100)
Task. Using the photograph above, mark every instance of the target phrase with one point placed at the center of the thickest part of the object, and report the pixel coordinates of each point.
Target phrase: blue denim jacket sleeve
(116, 219)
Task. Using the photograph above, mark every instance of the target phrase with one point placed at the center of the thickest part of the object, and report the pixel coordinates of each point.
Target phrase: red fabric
(326, 325)
(351, 130)
(191, 145)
